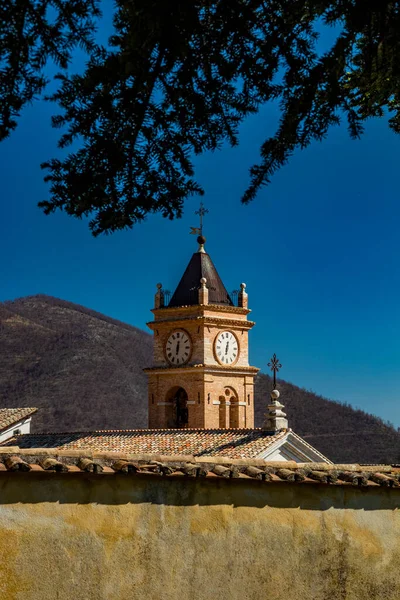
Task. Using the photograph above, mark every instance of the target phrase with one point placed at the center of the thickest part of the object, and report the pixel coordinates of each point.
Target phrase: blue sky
(318, 250)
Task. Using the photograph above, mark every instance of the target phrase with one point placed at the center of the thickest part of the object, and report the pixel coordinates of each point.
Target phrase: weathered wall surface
(104, 537)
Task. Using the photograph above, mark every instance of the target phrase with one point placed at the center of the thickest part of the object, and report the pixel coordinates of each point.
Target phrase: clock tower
(201, 376)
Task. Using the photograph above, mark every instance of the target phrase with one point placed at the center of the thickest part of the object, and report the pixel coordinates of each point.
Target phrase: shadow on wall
(82, 488)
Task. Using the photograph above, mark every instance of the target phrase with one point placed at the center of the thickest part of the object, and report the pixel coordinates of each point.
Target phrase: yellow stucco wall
(110, 537)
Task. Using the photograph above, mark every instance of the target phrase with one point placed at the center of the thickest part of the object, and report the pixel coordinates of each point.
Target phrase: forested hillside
(84, 371)
(337, 430)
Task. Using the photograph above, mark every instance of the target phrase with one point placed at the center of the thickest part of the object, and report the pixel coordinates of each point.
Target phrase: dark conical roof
(187, 293)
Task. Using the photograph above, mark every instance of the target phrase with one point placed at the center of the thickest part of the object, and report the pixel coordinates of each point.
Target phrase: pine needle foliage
(31, 33)
(180, 76)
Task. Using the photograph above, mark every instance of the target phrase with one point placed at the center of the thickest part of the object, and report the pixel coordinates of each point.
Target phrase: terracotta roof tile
(65, 462)
(231, 443)
(8, 416)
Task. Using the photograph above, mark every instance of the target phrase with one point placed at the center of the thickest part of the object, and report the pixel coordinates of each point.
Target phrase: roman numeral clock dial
(226, 348)
(178, 348)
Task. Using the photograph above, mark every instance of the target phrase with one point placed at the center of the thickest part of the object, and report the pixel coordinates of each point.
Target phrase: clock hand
(226, 348)
(177, 348)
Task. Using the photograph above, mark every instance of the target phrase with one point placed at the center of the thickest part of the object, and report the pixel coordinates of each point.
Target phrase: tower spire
(201, 376)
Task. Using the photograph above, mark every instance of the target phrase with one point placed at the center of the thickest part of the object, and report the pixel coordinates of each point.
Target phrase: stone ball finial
(159, 286)
(201, 240)
(275, 395)
(203, 281)
(243, 286)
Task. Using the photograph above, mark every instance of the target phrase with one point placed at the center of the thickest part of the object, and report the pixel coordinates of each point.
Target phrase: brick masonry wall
(206, 391)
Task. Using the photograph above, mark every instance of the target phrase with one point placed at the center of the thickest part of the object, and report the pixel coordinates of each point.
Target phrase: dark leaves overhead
(31, 32)
(182, 75)
(180, 81)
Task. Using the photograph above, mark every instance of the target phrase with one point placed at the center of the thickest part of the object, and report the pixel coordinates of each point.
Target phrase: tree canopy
(31, 33)
(178, 79)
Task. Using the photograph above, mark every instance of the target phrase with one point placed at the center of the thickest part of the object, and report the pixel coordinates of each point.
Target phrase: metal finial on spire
(201, 212)
(199, 230)
(275, 365)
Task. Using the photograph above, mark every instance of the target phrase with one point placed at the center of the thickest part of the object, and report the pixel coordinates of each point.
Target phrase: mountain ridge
(83, 370)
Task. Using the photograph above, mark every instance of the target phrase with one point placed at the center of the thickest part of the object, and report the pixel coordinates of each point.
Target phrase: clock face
(226, 348)
(178, 348)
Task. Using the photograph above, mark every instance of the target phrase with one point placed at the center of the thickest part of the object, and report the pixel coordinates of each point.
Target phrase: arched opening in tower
(177, 412)
(229, 409)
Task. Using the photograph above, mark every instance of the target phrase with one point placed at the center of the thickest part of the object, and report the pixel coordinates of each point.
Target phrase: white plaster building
(14, 421)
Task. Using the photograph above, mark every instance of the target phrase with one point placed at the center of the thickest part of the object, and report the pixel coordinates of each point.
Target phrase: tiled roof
(8, 416)
(187, 294)
(36, 461)
(232, 443)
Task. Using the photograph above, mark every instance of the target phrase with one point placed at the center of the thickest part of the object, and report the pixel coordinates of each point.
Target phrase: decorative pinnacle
(275, 365)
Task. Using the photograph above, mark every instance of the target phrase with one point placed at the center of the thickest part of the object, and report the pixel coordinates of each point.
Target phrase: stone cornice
(204, 320)
(200, 368)
(192, 309)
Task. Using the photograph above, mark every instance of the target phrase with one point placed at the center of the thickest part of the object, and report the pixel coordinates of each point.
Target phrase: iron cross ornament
(201, 212)
(275, 365)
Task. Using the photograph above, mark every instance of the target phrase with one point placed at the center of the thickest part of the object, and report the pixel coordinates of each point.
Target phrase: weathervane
(201, 212)
(275, 366)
